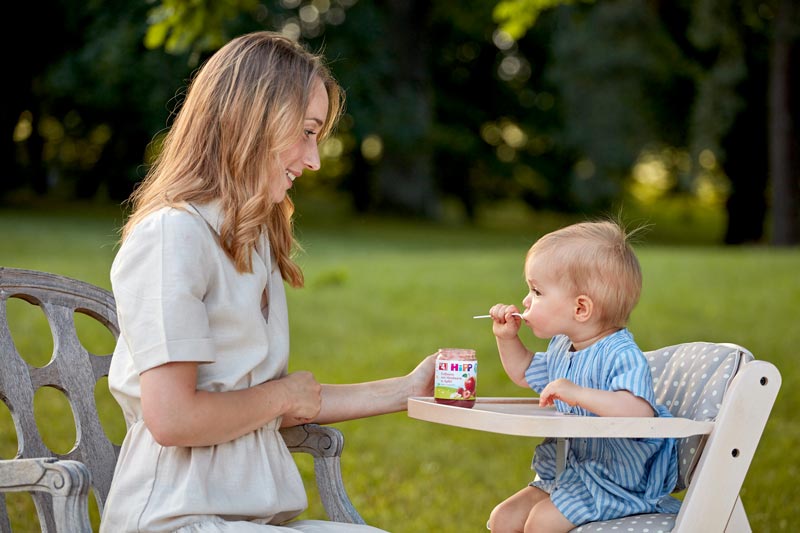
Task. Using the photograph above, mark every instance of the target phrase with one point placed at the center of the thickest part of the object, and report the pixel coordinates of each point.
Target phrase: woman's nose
(311, 159)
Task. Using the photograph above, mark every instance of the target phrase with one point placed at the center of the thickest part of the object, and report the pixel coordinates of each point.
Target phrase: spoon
(490, 316)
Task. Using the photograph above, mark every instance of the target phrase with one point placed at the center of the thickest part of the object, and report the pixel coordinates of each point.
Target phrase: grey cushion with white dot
(690, 379)
(640, 523)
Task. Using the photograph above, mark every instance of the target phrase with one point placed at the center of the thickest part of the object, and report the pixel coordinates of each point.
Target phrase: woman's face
(304, 153)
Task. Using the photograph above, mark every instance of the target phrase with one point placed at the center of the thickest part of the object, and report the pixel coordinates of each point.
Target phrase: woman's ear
(584, 307)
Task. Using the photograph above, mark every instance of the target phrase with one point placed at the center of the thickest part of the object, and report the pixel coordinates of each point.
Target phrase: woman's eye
(310, 133)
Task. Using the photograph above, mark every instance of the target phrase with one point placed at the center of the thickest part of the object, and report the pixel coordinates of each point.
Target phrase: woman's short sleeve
(159, 279)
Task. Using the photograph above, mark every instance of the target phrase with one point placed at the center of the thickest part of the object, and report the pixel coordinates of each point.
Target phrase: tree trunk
(783, 141)
(746, 160)
(405, 173)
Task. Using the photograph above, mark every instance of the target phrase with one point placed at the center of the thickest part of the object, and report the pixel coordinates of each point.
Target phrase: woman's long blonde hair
(244, 106)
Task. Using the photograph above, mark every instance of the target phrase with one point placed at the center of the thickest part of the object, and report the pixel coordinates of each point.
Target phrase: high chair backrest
(719, 383)
(691, 380)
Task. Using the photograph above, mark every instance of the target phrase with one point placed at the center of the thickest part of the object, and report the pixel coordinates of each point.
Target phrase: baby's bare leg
(511, 515)
(546, 518)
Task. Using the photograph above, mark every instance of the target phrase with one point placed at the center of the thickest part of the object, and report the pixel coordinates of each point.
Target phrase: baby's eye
(535, 291)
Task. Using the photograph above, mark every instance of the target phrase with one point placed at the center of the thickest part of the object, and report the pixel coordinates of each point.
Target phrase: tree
(87, 108)
(784, 113)
(726, 54)
(22, 145)
(388, 82)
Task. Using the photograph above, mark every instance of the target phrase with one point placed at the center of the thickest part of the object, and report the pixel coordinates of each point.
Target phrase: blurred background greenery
(573, 106)
(472, 127)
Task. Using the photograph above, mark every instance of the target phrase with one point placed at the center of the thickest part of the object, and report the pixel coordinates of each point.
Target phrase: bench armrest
(67, 482)
(325, 444)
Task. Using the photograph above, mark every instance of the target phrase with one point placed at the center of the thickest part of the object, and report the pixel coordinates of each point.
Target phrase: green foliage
(516, 17)
(718, 29)
(198, 26)
(635, 77)
(99, 102)
(381, 294)
(552, 102)
(615, 67)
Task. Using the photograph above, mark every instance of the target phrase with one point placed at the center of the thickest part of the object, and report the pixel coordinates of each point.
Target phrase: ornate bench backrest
(72, 370)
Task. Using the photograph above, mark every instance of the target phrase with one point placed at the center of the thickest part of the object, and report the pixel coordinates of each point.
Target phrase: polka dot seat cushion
(643, 523)
(690, 379)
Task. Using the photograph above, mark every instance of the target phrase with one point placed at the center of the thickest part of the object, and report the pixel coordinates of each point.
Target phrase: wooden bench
(60, 483)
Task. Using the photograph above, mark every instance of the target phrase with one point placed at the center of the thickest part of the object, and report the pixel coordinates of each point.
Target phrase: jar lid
(457, 353)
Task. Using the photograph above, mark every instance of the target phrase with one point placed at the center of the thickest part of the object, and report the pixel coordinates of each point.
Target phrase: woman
(200, 368)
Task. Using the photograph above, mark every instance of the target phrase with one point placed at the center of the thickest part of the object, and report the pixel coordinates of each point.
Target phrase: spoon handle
(490, 316)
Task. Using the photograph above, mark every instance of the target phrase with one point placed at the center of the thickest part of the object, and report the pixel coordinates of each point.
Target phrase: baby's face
(549, 306)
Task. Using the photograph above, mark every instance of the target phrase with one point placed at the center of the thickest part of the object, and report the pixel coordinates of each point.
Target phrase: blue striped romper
(604, 478)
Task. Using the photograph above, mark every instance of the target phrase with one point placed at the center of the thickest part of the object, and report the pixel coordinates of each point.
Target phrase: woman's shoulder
(171, 221)
(172, 214)
(169, 237)
(172, 230)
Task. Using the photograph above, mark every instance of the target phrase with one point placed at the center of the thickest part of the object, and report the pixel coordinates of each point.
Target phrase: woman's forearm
(359, 400)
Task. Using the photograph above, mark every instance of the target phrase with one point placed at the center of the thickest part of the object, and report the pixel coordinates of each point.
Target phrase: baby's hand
(505, 324)
(560, 389)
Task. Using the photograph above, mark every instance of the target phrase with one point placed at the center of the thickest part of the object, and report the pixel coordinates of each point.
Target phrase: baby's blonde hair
(595, 259)
(244, 106)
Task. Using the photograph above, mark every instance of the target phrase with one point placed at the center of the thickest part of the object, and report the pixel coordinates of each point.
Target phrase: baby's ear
(584, 307)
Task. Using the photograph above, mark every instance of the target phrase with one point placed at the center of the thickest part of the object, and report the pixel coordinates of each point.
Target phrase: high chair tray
(524, 417)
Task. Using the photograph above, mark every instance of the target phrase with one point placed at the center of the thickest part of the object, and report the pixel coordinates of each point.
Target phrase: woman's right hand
(177, 413)
(505, 325)
(303, 396)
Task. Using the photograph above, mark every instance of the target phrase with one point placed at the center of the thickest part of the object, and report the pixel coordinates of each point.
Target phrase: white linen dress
(180, 298)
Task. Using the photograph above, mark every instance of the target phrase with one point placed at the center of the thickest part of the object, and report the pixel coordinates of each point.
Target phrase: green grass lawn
(380, 295)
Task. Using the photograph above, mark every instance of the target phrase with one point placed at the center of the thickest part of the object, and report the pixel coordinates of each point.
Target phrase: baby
(583, 282)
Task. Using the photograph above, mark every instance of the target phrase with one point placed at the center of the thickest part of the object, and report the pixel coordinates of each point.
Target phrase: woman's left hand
(421, 378)
(390, 395)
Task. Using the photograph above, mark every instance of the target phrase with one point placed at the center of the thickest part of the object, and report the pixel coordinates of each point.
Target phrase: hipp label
(456, 379)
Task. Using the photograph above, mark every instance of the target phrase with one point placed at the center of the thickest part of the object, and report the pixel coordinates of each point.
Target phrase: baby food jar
(456, 377)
